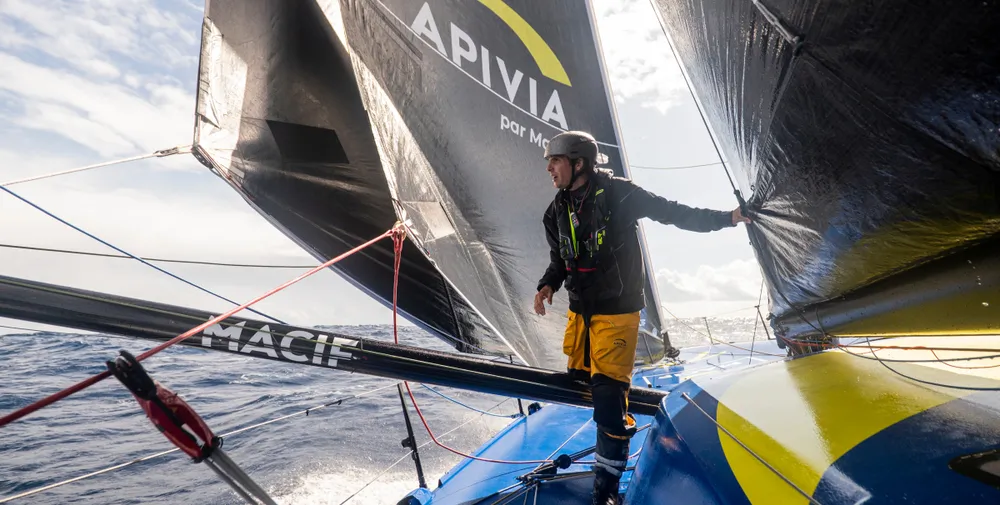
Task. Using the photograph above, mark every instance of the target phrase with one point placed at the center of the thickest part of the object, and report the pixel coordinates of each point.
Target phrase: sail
(865, 138)
(335, 119)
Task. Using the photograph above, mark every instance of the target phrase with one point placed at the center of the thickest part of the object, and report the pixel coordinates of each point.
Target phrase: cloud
(738, 280)
(114, 76)
(96, 36)
(639, 60)
(214, 226)
(85, 81)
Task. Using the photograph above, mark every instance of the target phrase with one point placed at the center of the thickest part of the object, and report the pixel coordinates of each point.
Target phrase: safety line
(930, 383)
(398, 251)
(421, 446)
(157, 154)
(749, 450)
(377, 477)
(86, 476)
(714, 340)
(144, 262)
(20, 328)
(446, 397)
(215, 320)
(354, 350)
(945, 362)
(678, 167)
(163, 453)
(159, 260)
(182, 316)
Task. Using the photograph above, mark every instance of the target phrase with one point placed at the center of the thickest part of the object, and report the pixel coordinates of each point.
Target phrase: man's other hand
(543, 294)
(738, 217)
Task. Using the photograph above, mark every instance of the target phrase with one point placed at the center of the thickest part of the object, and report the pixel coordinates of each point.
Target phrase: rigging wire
(774, 470)
(453, 400)
(726, 313)
(119, 466)
(158, 260)
(715, 340)
(286, 335)
(752, 231)
(156, 154)
(81, 230)
(20, 328)
(945, 362)
(421, 446)
(398, 251)
(933, 383)
(677, 167)
(377, 477)
(701, 113)
(230, 433)
(104, 375)
(873, 357)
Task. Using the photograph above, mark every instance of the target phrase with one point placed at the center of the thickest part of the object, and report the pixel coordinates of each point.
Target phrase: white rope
(158, 154)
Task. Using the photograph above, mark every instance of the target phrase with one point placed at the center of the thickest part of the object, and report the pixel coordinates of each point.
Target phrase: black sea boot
(610, 457)
(605, 488)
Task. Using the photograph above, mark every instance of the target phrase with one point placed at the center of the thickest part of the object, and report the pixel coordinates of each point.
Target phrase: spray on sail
(865, 138)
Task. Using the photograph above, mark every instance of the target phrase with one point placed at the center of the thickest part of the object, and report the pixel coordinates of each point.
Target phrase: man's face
(560, 171)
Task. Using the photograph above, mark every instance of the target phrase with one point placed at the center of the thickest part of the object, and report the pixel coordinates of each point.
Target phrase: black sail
(866, 136)
(335, 119)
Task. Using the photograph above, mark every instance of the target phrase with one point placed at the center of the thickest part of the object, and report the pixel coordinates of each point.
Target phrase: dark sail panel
(866, 137)
(433, 112)
(280, 118)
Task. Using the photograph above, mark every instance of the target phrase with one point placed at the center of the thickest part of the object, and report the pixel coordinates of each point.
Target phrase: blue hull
(559, 429)
(835, 427)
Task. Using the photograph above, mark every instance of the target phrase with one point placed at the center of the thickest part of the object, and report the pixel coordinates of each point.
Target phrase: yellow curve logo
(547, 62)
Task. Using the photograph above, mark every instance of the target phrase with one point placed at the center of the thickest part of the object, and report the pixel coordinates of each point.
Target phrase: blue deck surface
(560, 429)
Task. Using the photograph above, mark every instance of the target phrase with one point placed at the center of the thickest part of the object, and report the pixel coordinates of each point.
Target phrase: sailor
(591, 230)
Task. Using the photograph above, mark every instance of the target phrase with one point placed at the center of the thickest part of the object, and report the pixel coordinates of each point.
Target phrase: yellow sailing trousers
(613, 339)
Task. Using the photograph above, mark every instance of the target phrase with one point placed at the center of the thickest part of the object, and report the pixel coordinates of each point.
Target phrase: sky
(87, 81)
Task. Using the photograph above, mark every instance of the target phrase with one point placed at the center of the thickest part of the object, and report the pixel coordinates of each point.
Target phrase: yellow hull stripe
(802, 415)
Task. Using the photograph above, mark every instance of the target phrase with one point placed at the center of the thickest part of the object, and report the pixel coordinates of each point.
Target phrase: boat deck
(560, 429)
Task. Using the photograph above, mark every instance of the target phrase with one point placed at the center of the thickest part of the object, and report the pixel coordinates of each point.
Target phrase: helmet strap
(572, 173)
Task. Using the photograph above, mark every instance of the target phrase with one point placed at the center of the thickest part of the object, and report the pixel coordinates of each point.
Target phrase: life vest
(584, 255)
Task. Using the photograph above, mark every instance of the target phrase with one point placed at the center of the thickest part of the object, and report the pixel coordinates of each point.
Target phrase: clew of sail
(335, 119)
(865, 137)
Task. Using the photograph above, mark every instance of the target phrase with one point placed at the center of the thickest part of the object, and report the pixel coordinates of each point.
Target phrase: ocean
(351, 451)
(322, 458)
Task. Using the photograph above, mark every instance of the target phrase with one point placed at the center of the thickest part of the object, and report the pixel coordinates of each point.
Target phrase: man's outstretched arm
(642, 203)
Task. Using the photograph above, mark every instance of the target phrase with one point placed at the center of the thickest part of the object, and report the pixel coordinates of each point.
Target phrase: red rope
(460, 453)
(9, 418)
(398, 237)
(397, 242)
